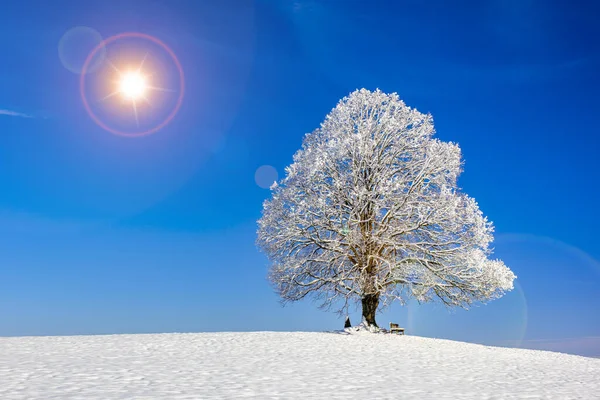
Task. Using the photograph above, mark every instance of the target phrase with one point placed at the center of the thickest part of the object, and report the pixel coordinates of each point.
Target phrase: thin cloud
(11, 113)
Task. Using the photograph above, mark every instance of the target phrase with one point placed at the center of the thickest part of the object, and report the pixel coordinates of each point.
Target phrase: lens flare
(75, 45)
(133, 85)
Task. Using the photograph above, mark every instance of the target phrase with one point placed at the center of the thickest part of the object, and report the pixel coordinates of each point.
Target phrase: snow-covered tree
(370, 211)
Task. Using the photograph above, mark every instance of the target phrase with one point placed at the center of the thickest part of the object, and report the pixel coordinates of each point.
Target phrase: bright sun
(132, 85)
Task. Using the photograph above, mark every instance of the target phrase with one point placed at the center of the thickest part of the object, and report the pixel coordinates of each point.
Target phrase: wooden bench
(396, 328)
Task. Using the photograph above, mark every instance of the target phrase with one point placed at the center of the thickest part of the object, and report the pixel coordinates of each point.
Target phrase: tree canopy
(370, 211)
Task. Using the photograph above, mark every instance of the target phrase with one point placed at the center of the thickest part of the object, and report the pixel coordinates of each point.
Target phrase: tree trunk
(369, 308)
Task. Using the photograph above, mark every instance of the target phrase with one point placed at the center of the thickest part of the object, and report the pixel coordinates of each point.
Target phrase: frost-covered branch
(370, 207)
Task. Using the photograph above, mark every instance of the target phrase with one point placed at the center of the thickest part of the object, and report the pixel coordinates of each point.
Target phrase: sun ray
(160, 89)
(142, 64)
(147, 100)
(110, 95)
(113, 66)
(137, 121)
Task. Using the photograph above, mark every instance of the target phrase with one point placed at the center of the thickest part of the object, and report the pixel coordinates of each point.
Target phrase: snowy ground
(270, 365)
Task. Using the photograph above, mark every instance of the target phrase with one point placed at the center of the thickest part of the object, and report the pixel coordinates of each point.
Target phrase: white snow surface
(278, 365)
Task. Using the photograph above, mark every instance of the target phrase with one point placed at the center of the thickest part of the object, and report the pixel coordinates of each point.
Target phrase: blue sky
(105, 234)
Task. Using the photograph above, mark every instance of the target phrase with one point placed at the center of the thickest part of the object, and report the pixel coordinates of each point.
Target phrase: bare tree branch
(370, 207)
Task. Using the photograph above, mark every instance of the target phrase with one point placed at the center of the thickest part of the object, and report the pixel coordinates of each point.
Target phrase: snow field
(278, 365)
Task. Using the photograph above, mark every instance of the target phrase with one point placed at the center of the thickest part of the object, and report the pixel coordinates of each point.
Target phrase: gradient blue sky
(105, 234)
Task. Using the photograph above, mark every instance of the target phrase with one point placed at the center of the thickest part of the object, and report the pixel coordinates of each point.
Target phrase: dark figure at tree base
(347, 324)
